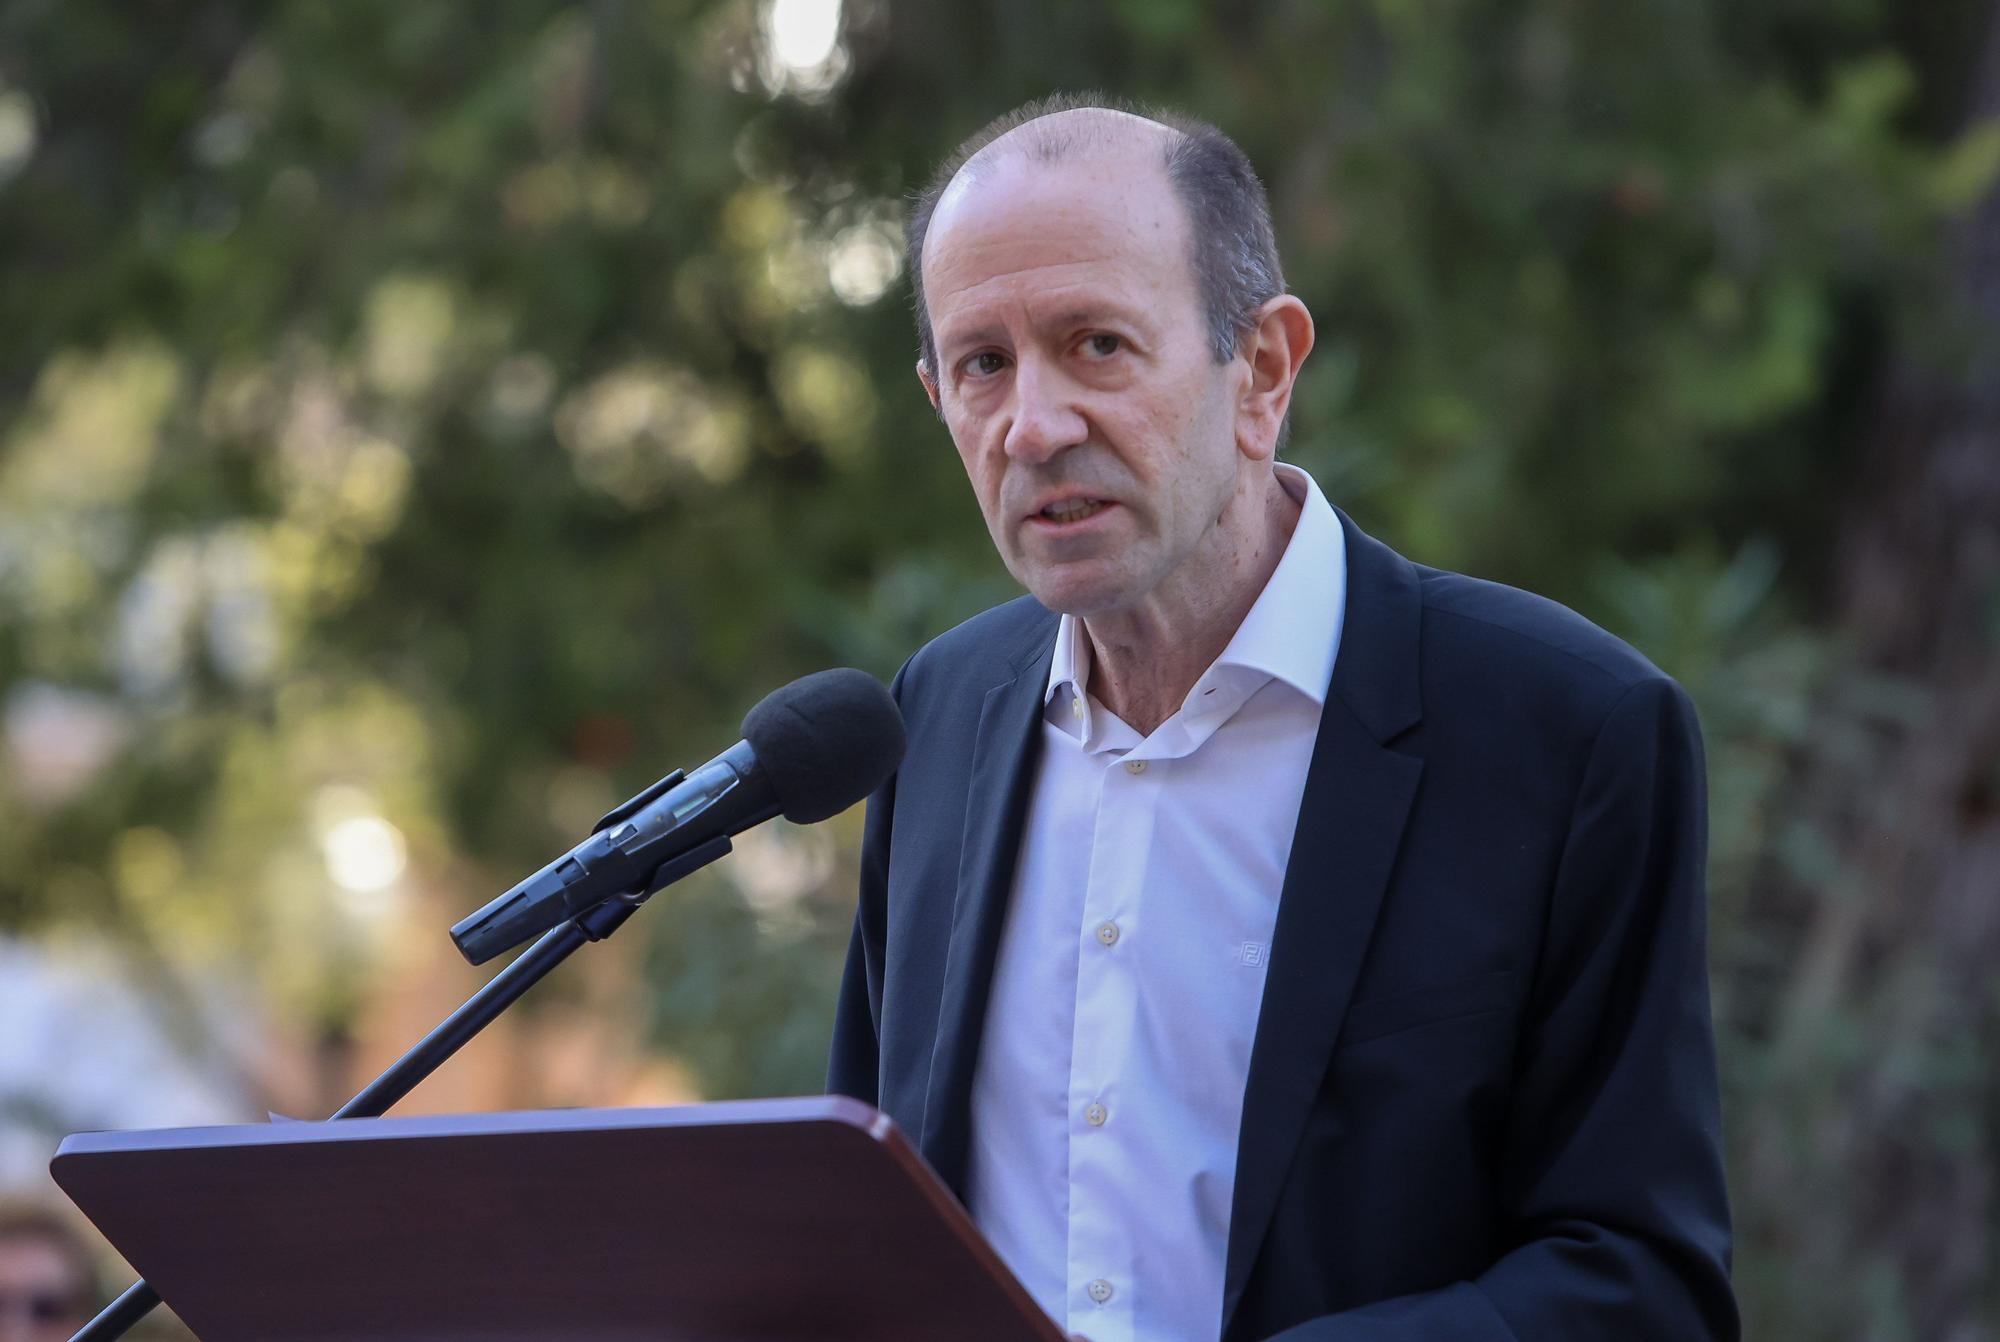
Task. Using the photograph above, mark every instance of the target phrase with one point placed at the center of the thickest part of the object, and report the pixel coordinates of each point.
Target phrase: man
(45, 1275)
(1265, 936)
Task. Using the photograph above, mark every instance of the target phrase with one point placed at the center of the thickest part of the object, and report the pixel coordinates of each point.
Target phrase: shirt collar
(1291, 634)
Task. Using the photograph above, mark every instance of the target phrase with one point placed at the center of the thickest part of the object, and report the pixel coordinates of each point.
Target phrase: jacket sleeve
(854, 1066)
(1612, 1174)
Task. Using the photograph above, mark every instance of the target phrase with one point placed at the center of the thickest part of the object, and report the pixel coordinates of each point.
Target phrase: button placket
(1101, 1245)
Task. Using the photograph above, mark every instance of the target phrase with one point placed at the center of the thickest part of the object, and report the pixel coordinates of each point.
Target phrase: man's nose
(1046, 418)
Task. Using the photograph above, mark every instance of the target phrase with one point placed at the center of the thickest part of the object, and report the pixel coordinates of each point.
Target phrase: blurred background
(423, 425)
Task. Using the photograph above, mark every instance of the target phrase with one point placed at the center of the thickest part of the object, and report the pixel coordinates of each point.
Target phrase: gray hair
(1235, 255)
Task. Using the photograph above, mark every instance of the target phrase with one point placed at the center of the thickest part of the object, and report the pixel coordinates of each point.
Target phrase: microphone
(809, 751)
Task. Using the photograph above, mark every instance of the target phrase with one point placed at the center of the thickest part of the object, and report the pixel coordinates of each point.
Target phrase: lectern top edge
(798, 1109)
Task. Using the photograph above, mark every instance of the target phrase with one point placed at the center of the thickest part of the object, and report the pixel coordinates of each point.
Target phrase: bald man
(1265, 936)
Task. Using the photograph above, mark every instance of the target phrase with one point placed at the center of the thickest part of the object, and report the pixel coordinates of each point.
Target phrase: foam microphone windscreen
(825, 741)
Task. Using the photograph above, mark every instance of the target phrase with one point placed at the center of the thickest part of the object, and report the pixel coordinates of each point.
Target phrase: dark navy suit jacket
(1482, 1097)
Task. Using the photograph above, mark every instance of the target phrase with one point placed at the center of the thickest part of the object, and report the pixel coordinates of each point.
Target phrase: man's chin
(1084, 595)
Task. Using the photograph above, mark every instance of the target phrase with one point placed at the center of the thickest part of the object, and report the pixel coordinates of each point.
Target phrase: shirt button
(1135, 766)
(1107, 934)
(1076, 706)
(1096, 1114)
(1100, 1290)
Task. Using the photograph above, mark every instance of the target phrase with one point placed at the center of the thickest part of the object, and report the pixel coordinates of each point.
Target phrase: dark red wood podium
(774, 1220)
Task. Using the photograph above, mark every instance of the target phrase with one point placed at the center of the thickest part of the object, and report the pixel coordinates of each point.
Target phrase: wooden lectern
(806, 1220)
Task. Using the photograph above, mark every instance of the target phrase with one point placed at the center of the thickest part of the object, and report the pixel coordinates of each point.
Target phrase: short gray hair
(1235, 254)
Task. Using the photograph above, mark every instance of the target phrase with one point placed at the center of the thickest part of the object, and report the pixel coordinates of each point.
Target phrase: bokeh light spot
(17, 133)
(802, 54)
(863, 262)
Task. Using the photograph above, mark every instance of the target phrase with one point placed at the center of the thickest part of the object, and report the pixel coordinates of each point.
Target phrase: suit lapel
(1351, 817)
(996, 803)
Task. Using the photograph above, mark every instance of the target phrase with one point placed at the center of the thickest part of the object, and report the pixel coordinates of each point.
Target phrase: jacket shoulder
(1501, 628)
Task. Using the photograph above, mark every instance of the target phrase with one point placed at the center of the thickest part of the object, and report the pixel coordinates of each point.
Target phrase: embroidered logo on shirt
(1251, 954)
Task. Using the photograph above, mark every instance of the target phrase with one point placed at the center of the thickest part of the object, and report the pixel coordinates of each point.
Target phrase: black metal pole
(118, 1316)
(551, 949)
(401, 1078)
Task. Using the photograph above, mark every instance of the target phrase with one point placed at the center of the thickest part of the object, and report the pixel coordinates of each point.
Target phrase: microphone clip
(631, 806)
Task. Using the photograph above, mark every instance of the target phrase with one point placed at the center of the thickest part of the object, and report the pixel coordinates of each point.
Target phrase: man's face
(41, 1297)
(1075, 373)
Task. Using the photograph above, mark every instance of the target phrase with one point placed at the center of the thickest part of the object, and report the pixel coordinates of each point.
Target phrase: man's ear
(930, 386)
(1275, 346)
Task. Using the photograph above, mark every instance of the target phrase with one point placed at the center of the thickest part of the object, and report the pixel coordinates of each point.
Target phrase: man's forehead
(1055, 244)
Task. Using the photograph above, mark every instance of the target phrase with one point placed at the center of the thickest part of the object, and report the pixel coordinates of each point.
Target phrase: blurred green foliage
(423, 424)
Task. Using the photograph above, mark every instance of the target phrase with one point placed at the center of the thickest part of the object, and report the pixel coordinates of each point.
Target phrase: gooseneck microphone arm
(452, 1034)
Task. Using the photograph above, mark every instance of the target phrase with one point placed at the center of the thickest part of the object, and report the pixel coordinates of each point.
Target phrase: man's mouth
(1073, 510)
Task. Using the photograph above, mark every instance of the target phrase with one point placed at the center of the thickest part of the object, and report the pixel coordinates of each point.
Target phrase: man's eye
(985, 364)
(1102, 346)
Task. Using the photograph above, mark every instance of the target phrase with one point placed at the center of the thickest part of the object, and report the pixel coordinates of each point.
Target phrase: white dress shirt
(1109, 1087)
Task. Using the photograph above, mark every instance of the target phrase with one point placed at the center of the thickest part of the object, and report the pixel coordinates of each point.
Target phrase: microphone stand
(478, 1011)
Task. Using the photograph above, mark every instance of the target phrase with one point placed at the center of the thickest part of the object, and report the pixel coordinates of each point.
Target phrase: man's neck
(1143, 661)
